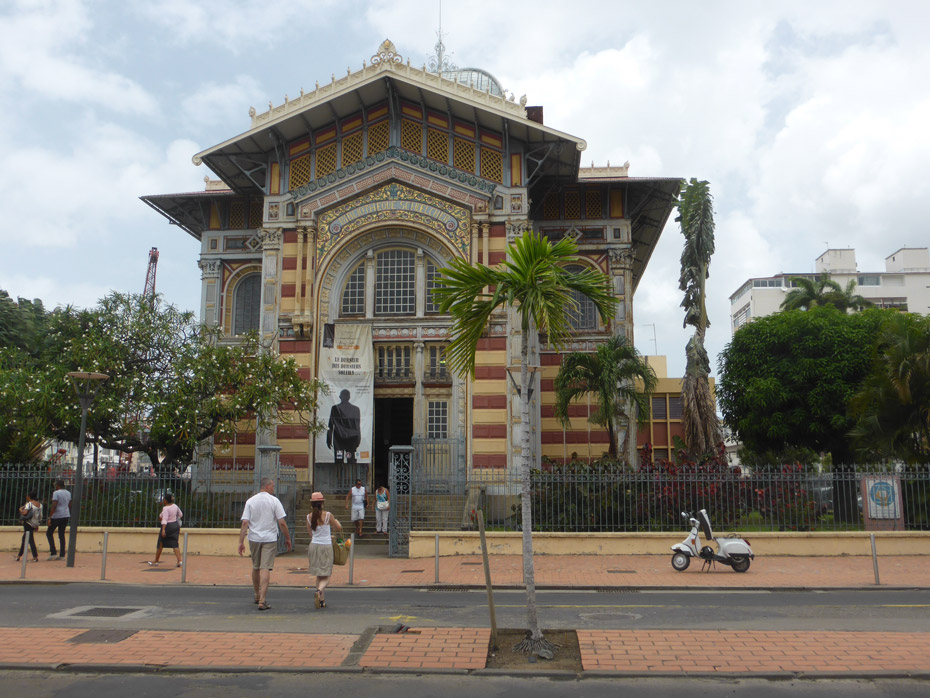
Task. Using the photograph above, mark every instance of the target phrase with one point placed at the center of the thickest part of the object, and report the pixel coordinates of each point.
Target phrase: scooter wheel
(680, 561)
(740, 563)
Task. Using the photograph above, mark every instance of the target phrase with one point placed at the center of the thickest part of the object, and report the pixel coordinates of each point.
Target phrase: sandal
(317, 599)
(263, 607)
(151, 564)
(322, 601)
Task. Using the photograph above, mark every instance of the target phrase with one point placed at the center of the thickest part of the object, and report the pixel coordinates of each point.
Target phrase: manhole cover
(621, 571)
(103, 637)
(106, 612)
(410, 571)
(447, 588)
(471, 563)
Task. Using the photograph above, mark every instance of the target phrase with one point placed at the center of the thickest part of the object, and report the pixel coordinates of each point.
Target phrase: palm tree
(535, 283)
(893, 407)
(809, 293)
(609, 374)
(699, 414)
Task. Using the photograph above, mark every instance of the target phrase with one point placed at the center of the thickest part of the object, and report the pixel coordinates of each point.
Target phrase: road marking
(404, 619)
(603, 605)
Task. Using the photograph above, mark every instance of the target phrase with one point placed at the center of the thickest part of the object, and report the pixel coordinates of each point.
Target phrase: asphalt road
(352, 610)
(66, 685)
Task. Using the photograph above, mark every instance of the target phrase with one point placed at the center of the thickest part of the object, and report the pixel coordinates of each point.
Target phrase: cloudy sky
(810, 120)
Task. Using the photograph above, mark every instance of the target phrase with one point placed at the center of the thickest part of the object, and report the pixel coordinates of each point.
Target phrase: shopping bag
(340, 552)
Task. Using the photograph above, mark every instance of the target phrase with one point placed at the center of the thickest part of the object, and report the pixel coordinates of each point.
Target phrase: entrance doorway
(393, 427)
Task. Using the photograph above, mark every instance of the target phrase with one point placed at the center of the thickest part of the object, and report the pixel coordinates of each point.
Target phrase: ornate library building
(324, 225)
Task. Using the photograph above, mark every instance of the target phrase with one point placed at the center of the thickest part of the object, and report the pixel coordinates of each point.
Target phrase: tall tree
(699, 414)
(534, 281)
(892, 408)
(786, 379)
(808, 293)
(172, 384)
(610, 374)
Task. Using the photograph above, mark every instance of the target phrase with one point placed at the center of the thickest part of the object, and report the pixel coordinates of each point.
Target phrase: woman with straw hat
(320, 525)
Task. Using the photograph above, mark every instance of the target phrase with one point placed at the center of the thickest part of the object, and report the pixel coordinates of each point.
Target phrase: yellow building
(333, 213)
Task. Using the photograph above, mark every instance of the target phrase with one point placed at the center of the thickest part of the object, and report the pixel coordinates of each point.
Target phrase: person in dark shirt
(345, 429)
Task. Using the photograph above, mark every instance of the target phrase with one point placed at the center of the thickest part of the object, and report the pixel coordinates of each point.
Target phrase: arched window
(353, 295)
(247, 302)
(395, 283)
(584, 316)
(400, 279)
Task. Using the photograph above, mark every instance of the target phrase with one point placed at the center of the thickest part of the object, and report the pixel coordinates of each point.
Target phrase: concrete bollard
(352, 559)
(437, 559)
(22, 572)
(103, 561)
(184, 560)
(874, 558)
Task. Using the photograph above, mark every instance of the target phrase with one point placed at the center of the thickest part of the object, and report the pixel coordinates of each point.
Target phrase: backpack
(33, 515)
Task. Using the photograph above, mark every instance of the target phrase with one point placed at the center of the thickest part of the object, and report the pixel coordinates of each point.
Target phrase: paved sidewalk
(576, 571)
(461, 650)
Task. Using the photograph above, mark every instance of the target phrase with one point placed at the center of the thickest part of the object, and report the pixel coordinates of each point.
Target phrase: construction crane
(149, 292)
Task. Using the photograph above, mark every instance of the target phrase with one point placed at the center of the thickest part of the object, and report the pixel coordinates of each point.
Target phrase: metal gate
(427, 483)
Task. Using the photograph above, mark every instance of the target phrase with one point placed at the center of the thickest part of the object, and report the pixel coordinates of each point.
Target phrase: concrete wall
(202, 541)
(223, 541)
(423, 544)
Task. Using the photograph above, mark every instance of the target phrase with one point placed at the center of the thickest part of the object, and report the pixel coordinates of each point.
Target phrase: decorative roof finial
(440, 63)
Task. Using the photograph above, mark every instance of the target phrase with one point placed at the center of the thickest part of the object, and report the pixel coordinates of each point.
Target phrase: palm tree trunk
(529, 575)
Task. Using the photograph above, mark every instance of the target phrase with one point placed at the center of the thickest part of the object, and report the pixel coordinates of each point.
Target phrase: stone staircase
(336, 505)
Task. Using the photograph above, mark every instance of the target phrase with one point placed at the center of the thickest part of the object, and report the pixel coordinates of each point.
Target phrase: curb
(552, 675)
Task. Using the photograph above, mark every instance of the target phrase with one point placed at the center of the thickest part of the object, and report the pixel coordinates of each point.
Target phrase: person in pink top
(170, 519)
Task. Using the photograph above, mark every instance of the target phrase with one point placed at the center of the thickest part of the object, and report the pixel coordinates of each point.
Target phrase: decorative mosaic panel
(237, 215)
(379, 137)
(411, 136)
(437, 145)
(352, 150)
(326, 160)
(551, 206)
(300, 172)
(573, 204)
(463, 154)
(492, 165)
(395, 203)
(593, 205)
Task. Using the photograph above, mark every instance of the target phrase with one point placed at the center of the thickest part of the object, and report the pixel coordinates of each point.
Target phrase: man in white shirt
(261, 519)
(358, 499)
(58, 517)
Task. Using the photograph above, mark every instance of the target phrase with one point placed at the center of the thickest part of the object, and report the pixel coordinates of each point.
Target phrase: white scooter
(734, 552)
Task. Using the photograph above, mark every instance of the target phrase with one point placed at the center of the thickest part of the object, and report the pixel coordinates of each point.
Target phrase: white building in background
(905, 284)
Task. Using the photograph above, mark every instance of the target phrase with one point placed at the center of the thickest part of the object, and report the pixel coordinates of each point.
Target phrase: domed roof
(475, 78)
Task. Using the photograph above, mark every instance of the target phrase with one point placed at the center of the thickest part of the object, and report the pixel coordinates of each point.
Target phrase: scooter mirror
(684, 515)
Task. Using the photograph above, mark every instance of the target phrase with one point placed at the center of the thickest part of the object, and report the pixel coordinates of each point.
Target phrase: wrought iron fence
(208, 498)
(763, 501)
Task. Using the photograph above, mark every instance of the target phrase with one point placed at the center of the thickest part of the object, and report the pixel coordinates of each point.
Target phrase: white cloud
(43, 51)
(215, 104)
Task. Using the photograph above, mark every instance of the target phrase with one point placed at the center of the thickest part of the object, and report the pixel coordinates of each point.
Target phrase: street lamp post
(86, 386)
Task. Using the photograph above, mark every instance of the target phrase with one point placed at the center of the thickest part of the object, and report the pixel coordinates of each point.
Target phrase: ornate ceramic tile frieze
(395, 203)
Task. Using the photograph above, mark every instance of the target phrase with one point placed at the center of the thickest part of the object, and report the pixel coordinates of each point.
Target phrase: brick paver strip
(746, 651)
(429, 648)
(176, 648)
(506, 570)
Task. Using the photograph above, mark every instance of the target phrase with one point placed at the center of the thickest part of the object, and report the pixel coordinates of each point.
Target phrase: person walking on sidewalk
(31, 513)
(382, 509)
(59, 514)
(320, 525)
(170, 519)
(261, 519)
(358, 500)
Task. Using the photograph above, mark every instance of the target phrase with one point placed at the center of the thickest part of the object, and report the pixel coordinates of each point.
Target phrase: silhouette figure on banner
(345, 429)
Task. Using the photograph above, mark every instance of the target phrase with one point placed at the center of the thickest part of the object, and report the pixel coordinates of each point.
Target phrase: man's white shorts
(358, 513)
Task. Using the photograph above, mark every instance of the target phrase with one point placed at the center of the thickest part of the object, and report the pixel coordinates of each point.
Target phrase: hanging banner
(347, 368)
